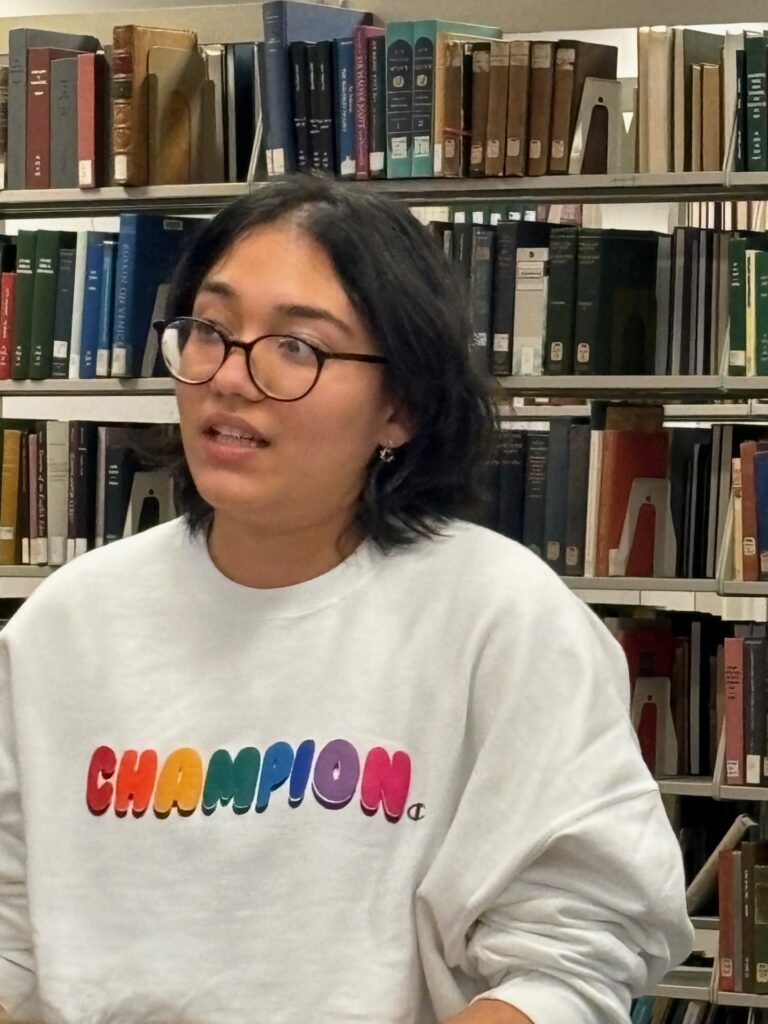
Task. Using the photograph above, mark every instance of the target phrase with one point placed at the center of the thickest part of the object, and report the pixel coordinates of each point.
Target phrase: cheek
(339, 425)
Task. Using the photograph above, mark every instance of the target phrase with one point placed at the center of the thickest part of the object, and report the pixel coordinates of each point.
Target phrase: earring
(386, 454)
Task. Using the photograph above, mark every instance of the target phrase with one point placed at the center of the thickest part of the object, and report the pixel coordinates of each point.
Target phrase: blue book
(285, 22)
(149, 247)
(104, 346)
(94, 264)
(761, 500)
(344, 106)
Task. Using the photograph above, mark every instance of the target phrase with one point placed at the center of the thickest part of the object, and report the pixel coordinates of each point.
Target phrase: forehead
(273, 252)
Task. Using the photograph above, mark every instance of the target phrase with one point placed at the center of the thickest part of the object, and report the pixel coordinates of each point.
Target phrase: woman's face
(308, 466)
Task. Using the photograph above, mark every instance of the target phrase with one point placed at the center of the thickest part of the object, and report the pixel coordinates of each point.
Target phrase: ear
(399, 425)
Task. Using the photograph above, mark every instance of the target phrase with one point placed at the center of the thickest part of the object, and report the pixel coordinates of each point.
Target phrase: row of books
(152, 107)
(701, 100)
(67, 487)
(743, 911)
(81, 304)
(664, 1010)
(558, 299)
(624, 497)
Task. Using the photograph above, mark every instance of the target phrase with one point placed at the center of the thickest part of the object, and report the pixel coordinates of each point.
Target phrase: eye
(295, 350)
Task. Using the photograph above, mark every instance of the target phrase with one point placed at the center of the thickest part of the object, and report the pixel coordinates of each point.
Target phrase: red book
(727, 942)
(628, 455)
(751, 560)
(7, 307)
(734, 711)
(650, 649)
(39, 113)
(91, 101)
(362, 34)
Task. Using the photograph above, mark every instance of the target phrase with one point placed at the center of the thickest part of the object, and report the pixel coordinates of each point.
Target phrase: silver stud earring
(386, 454)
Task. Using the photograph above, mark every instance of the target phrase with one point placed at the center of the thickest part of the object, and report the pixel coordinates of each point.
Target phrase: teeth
(234, 432)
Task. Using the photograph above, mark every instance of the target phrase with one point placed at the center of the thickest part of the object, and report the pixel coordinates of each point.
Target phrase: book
(10, 540)
(496, 127)
(760, 463)
(555, 500)
(91, 111)
(655, 46)
(756, 111)
(22, 321)
(754, 708)
(3, 125)
(540, 106)
(299, 67)
(531, 284)
(535, 491)
(321, 141)
(106, 306)
(39, 108)
(57, 472)
(504, 276)
(131, 45)
(23, 504)
(83, 489)
(752, 854)
(137, 280)
(285, 22)
(734, 711)
(7, 307)
(242, 120)
(78, 296)
(63, 123)
(511, 483)
(711, 118)
(343, 107)
(399, 96)
(120, 469)
(760, 896)
(516, 158)
(89, 334)
(377, 106)
(579, 443)
(457, 92)
(20, 41)
(480, 294)
(575, 60)
(703, 887)
(561, 301)
(62, 317)
(727, 926)
(175, 141)
(214, 156)
(47, 250)
(38, 545)
(690, 47)
(481, 80)
(361, 97)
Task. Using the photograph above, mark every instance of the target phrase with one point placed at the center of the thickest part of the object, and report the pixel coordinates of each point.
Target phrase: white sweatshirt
(367, 797)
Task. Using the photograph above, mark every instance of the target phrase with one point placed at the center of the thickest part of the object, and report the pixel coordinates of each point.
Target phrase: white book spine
(57, 470)
(593, 501)
(531, 287)
(78, 292)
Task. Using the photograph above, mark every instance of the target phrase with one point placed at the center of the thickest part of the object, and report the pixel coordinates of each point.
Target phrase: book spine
(377, 106)
(85, 509)
(542, 80)
(495, 136)
(511, 450)
(555, 495)
(16, 173)
(561, 301)
(91, 307)
(39, 550)
(104, 344)
(504, 298)
(72, 483)
(451, 162)
(516, 158)
(596, 442)
(761, 502)
(7, 304)
(737, 300)
(119, 472)
(57, 466)
(38, 173)
(734, 711)
(44, 305)
(480, 292)
(361, 103)
(62, 320)
(738, 520)
(535, 492)
(321, 107)
(481, 83)
(751, 311)
(576, 499)
(87, 103)
(757, 113)
(760, 897)
(124, 362)
(399, 98)
(63, 118)
(725, 950)
(424, 36)
(32, 470)
(739, 155)
(297, 54)
(562, 101)
(22, 321)
(78, 297)
(9, 497)
(3, 126)
(754, 709)
(344, 107)
(531, 283)
(587, 321)
(761, 313)
(281, 158)
(124, 170)
(750, 559)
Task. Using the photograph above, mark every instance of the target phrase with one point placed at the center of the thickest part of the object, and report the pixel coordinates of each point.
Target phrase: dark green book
(480, 294)
(576, 498)
(47, 250)
(752, 854)
(22, 319)
(62, 319)
(761, 929)
(504, 266)
(561, 301)
(555, 508)
(757, 112)
(536, 458)
(761, 314)
(586, 320)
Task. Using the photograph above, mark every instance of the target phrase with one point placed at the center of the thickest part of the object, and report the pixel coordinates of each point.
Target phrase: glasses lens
(193, 350)
(284, 367)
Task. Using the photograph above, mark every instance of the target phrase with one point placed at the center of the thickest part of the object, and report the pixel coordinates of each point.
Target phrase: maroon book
(39, 113)
(362, 34)
(91, 120)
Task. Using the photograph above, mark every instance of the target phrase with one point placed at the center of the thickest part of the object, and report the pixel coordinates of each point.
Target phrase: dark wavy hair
(414, 305)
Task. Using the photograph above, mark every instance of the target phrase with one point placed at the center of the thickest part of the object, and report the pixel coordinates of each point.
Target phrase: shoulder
(100, 578)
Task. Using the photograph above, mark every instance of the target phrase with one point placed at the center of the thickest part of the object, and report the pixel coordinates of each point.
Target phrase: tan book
(690, 47)
(695, 135)
(518, 94)
(496, 126)
(542, 85)
(214, 91)
(10, 541)
(641, 132)
(659, 99)
(175, 143)
(454, 127)
(481, 82)
(711, 118)
(130, 95)
(574, 62)
(442, 61)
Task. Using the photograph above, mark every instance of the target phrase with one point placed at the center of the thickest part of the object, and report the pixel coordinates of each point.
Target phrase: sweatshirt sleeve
(17, 976)
(559, 886)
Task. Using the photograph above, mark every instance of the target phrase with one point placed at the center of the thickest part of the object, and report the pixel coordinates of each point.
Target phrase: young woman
(320, 749)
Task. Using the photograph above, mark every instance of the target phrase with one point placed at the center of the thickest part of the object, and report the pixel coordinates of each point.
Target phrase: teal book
(399, 92)
(425, 40)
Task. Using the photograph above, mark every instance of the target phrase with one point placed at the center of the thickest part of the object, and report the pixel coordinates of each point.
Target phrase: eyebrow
(293, 310)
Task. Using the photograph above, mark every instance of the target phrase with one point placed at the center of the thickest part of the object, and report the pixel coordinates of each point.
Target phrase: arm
(490, 1011)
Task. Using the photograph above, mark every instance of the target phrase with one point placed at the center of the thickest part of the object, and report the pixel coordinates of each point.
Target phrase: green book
(737, 298)
(586, 358)
(761, 314)
(424, 51)
(399, 57)
(49, 244)
(22, 318)
(761, 929)
(757, 112)
(561, 301)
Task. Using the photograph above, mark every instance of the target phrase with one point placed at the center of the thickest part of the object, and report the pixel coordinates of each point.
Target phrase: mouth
(231, 434)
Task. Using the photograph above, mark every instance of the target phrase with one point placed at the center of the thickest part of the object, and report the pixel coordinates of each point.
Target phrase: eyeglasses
(281, 366)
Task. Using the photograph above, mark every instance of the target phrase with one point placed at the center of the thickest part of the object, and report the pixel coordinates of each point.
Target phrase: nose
(233, 377)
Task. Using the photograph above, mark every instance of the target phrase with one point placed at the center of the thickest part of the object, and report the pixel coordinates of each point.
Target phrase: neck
(266, 559)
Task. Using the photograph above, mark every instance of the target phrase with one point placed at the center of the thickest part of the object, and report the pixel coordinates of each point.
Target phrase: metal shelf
(202, 198)
(639, 386)
(740, 999)
(686, 983)
(100, 386)
(682, 785)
